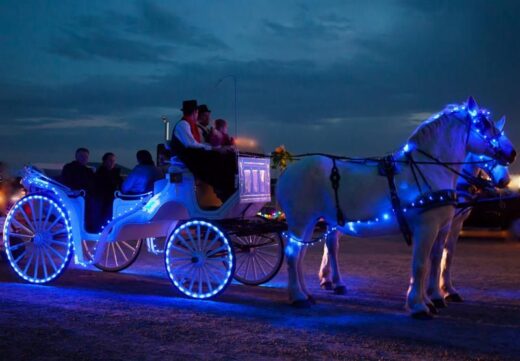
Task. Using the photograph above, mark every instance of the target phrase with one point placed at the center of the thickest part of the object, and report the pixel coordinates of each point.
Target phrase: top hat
(203, 108)
(189, 105)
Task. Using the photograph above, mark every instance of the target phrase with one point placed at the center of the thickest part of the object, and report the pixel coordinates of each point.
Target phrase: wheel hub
(41, 238)
(198, 258)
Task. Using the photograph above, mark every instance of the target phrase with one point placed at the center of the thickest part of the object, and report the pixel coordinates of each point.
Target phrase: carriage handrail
(121, 195)
(37, 178)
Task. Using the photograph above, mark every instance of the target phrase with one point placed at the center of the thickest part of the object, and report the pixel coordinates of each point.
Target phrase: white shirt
(183, 133)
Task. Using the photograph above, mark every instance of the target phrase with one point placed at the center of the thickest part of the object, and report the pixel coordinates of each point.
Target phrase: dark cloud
(376, 80)
(151, 36)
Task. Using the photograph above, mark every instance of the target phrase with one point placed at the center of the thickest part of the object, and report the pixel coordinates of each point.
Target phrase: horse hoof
(422, 315)
(439, 303)
(326, 286)
(302, 303)
(311, 300)
(454, 297)
(340, 290)
(433, 310)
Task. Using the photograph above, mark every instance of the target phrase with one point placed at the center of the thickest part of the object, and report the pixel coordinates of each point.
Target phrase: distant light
(245, 142)
(515, 182)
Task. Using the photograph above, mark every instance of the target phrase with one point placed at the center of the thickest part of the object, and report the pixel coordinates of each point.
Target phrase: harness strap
(389, 166)
(334, 180)
(412, 167)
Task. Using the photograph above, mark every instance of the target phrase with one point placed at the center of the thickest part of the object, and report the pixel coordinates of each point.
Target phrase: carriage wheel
(199, 259)
(117, 255)
(38, 238)
(259, 257)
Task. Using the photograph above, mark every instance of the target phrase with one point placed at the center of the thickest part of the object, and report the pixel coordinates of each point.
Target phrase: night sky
(346, 77)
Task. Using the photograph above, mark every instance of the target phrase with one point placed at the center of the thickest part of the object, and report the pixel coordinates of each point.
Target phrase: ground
(137, 314)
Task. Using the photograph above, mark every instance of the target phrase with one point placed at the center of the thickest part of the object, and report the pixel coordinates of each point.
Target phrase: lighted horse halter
(479, 124)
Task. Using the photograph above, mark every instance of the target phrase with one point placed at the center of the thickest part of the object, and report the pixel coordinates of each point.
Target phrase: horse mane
(430, 127)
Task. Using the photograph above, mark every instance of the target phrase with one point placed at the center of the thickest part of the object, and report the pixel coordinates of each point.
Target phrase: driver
(215, 166)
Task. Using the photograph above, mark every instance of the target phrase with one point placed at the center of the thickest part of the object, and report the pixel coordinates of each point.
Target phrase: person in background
(142, 177)
(204, 123)
(219, 136)
(107, 181)
(76, 174)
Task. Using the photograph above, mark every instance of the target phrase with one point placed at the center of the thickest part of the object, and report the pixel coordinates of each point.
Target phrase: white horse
(440, 286)
(305, 193)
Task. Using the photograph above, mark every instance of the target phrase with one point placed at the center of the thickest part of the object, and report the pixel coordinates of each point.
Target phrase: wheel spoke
(49, 256)
(181, 250)
(11, 234)
(15, 261)
(33, 216)
(22, 226)
(208, 281)
(58, 218)
(121, 251)
(28, 262)
(36, 262)
(18, 245)
(216, 250)
(26, 218)
(129, 246)
(55, 252)
(208, 247)
(44, 265)
(260, 257)
(183, 241)
(44, 224)
(114, 252)
(188, 231)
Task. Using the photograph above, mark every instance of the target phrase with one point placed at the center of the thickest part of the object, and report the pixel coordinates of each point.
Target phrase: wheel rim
(258, 257)
(116, 256)
(199, 259)
(38, 238)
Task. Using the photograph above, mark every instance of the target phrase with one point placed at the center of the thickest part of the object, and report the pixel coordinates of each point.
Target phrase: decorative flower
(281, 158)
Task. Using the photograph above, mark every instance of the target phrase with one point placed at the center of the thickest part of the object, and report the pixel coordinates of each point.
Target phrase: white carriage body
(157, 213)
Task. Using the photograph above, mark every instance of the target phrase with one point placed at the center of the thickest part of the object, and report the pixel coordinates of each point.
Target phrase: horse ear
(501, 123)
(472, 106)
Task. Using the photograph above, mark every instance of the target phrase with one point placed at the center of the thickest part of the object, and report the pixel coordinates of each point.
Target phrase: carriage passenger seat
(205, 194)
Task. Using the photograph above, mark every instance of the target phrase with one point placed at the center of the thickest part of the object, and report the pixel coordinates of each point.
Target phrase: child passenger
(219, 136)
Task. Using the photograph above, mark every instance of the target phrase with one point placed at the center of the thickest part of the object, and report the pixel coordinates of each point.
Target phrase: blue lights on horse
(414, 186)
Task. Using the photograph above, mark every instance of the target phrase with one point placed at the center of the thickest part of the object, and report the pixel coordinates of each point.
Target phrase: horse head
(487, 137)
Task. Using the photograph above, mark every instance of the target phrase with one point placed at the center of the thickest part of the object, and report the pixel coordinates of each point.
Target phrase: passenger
(143, 176)
(107, 181)
(76, 174)
(211, 165)
(219, 136)
(204, 123)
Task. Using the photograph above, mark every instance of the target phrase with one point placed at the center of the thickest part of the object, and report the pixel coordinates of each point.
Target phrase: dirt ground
(137, 315)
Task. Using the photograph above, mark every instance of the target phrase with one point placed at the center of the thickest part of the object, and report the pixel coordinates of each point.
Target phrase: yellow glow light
(515, 182)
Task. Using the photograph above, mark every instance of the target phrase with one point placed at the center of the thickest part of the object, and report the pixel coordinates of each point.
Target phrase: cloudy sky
(347, 77)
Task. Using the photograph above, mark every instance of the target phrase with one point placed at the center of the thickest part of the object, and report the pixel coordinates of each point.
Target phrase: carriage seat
(205, 193)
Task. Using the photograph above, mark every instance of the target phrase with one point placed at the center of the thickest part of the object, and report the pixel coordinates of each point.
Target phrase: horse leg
(423, 239)
(324, 272)
(449, 292)
(434, 292)
(332, 243)
(295, 252)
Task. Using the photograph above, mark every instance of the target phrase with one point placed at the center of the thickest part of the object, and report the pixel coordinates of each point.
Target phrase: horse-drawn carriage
(204, 248)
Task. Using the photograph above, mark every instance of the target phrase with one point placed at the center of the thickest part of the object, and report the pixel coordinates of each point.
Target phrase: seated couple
(214, 165)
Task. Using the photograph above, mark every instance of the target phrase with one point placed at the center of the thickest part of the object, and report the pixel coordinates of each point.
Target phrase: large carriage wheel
(259, 257)
(117, 255)
(199, 259)
(38, 238)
